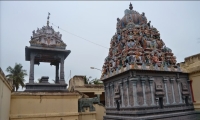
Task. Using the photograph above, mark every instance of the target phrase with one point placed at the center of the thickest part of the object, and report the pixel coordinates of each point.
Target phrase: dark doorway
(161, 102)
(118, 106)
(186, 101)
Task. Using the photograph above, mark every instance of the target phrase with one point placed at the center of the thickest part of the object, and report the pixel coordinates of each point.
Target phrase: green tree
(87, 80)
(96, 81)
(17, 74)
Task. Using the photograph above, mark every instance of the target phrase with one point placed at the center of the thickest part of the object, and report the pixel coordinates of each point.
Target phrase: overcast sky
(178, 23)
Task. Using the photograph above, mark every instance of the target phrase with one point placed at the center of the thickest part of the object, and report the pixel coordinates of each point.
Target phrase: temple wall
(158, 79)
(5, 93)
(42, 106)
(195, 85)
(96, 115)
(191, 65)
(76, 81)
(158, 93)
(51, 106)
(87, 116)
(100, 111)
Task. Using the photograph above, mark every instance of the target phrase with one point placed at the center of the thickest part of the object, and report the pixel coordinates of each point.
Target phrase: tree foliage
(93, 81)
(87, 79)
(17, 74)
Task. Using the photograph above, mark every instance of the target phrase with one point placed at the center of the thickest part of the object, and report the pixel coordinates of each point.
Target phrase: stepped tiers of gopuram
(141, 77)
(137, 45)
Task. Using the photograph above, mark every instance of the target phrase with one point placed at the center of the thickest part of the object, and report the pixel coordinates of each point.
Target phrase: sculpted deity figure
(155, 58)
(154, 44)
(118, 64)
(118, 37)
(147, 32)
(37, 30)
(149, 24)
(138, 56)
(104, 69)
(135, 31)
(160, 43)
(118, 23)
(173, 60)
(33, 32)
(148, 59)
(143, 19)
(130, 43)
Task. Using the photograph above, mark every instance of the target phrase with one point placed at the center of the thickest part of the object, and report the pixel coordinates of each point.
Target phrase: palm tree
(17, 75)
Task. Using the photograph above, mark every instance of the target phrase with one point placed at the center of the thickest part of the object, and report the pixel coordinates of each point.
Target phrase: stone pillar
(98, 96)
(121, 92)
(166, 92)
(151, 87)
(127, 91)
(57, 73)
(179, 91)
(172, 84)
(143, 89)
(62, 75)
(189, 82)
(134, 81)
(31, 74)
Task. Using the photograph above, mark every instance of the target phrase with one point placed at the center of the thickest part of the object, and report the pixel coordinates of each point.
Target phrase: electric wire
(79, 36)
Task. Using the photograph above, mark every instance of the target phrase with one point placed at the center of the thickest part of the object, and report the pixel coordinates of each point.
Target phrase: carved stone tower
(141, 77)
(46, 45)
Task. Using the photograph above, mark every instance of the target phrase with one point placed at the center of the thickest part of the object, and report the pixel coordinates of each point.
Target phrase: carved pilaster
(105, 89)
(151, 87)
(127, 91)
(31, 74)
(134, 81)
(108, 95)
(111, 94)
(172, 84)
(62, 75)
(179, 90)
(166, 92)
(143, 80)
(121, 92)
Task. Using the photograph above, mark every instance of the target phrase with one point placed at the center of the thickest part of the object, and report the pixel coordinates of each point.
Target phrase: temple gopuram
(46, 45)
(141, 77)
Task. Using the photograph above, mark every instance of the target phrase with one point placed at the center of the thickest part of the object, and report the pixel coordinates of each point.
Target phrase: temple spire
(130, 6)
(48, 19)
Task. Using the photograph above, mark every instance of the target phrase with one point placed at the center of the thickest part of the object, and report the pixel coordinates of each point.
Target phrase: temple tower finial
(48, 19)
(130, 6)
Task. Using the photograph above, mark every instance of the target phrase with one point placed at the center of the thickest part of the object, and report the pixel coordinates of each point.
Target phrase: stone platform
(45, 86)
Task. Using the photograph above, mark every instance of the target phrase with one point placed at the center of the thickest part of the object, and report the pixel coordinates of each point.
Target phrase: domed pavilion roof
(47, 37)
(137, 45)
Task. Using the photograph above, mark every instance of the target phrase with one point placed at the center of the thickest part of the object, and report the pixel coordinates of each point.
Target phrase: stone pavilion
(46, 45)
